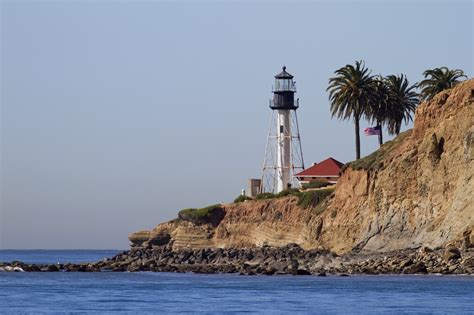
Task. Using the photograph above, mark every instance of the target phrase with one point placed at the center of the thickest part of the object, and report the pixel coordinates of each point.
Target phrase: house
(327, 170)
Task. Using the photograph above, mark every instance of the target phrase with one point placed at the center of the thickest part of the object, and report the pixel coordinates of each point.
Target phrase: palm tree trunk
(380, 135)
(357, 136)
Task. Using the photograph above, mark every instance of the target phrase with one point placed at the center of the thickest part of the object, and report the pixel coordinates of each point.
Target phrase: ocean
(147, 292)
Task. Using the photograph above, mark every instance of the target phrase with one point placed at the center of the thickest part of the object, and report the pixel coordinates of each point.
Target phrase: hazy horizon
(116, 115)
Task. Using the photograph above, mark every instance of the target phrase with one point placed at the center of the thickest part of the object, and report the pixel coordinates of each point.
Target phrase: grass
(211, 214)
(284, 193)
(265, 196)
(375, 160)
(288, 192)
(241, 198)
(310, 199)
(316, 184)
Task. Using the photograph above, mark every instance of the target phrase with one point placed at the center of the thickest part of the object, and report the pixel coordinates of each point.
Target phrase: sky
(115, 115)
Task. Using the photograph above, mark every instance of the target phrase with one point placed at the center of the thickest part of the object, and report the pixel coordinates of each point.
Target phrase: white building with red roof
(327, 170)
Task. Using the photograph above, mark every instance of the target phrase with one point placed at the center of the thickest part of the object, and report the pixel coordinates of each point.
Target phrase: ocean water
(192, 293)
(55, 256)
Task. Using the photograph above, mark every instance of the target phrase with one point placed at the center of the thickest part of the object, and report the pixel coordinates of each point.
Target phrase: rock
(466, 240)
(139, 237)
(405, 263)
(452, 268)
(369, 271)
(451, 253)
(11, 269)
(417, 267)
(159, 239)
(32, 268)
(425, 250)
(468, 263)
(303, 272)
(269, 271)
(51, 268)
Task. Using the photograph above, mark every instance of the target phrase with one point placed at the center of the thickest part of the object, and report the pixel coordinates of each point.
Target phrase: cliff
(417, 190)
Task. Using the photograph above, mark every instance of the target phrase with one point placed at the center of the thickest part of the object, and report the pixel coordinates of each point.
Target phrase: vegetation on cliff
(316, 184)
(375, 160)
(283, 193)
(266, 195)
(212, 214)
(241, 198)
(306, 199)
(310, 199)
(288, 192)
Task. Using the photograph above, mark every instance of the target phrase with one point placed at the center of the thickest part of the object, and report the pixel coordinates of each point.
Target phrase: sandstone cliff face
(418, 191)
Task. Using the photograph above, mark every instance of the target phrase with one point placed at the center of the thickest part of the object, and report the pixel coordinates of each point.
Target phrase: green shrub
(288, 192)
(316, 184)
(212, 214)
(310, 199)
(265, 196)
(241, 198)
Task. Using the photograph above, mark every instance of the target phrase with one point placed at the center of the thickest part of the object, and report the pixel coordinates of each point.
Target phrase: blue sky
(116, 115)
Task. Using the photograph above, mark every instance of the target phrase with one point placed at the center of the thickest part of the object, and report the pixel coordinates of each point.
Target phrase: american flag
(373, 131)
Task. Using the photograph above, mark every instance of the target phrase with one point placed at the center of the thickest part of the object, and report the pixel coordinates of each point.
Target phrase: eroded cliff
(417, 190)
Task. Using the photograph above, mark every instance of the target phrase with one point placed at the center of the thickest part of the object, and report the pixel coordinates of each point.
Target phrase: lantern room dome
(284, 92)
(283, 74)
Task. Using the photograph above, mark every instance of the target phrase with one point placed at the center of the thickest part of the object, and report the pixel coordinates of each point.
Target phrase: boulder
(468, 264)
(302, 272)
(425, 250)
(451, 253)
(417, 267)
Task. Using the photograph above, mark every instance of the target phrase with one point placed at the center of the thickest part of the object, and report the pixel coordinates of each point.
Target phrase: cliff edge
(416, 190)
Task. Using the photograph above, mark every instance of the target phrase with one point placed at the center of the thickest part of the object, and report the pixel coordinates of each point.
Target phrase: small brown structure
(254, 187)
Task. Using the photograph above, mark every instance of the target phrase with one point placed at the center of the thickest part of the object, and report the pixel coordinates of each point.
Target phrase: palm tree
(439, 80)
(404, 103)
(381, 103)
(349, 92)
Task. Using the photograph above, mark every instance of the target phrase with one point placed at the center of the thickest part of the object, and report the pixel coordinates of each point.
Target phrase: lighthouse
(283, 153)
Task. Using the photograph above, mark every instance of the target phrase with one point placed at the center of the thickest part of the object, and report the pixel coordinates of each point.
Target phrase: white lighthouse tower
(283, 154)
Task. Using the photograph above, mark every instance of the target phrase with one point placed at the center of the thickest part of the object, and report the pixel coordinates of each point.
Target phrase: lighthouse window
(281, 129)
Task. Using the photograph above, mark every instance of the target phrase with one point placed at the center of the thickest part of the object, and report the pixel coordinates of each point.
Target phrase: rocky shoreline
(288, 260)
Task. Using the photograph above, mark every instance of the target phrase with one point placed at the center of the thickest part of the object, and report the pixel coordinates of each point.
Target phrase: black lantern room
(284, 92)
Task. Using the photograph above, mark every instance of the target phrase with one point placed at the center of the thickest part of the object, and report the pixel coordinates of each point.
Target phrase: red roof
(327, 168)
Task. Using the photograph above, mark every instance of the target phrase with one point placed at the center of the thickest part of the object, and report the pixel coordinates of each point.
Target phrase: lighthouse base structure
(283, 153)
